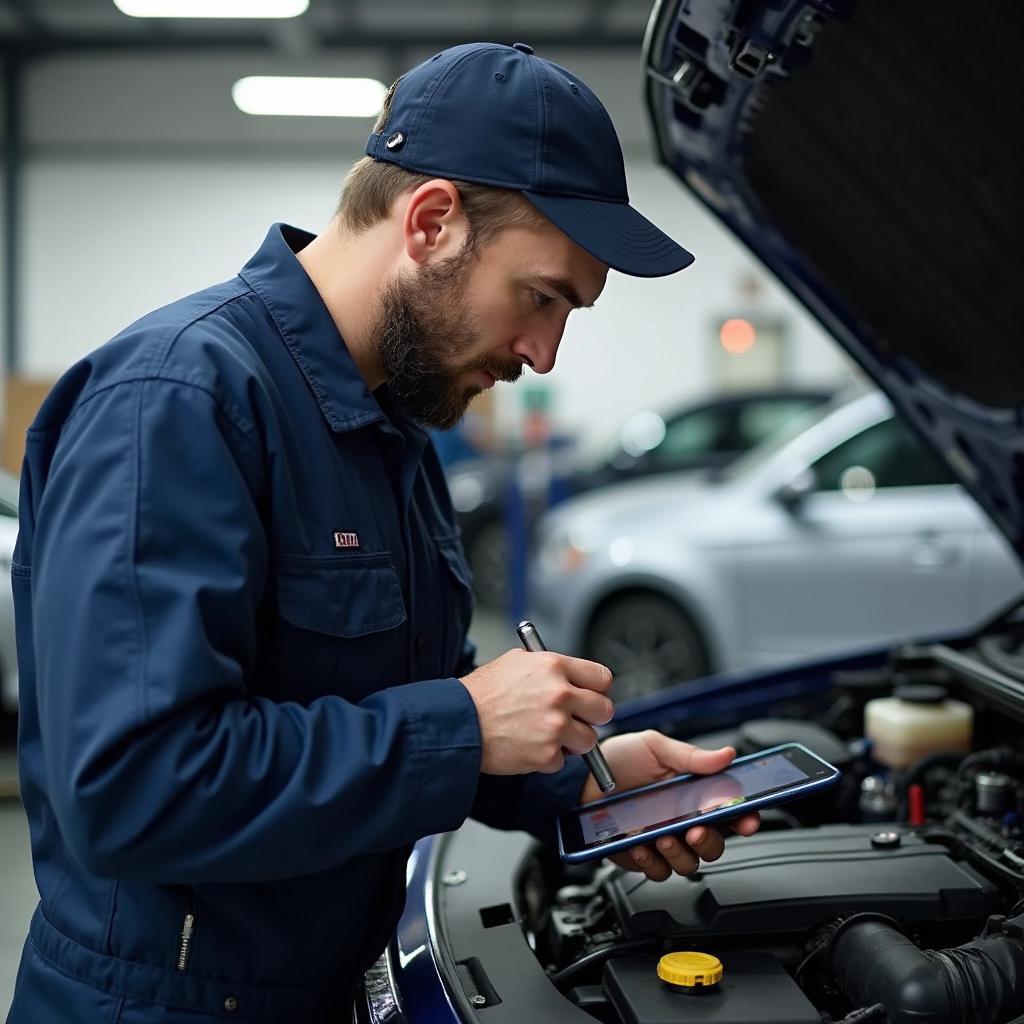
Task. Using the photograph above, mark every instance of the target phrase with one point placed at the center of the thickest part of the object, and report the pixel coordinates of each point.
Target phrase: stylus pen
(595, 759)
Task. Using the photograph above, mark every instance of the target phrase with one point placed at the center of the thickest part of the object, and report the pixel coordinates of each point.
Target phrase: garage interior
(131, 176)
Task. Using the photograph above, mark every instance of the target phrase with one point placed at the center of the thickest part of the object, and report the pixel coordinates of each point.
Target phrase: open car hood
(869, 154)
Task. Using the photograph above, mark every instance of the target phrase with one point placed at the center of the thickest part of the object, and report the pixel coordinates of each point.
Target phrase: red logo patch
(346, 540)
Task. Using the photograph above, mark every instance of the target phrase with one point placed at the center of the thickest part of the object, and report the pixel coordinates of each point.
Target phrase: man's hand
(637, 759)
(535, 707)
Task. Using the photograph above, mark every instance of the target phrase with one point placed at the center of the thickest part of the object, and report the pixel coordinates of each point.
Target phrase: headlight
(383, 1005)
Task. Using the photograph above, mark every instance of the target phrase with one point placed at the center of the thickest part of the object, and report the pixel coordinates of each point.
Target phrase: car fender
(697, 592)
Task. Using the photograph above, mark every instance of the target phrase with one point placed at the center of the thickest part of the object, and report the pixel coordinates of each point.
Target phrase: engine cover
(789, 881)
(754, 990)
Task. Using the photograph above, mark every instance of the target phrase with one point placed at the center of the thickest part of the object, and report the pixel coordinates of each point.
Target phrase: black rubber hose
(981, 981)
(598, 956)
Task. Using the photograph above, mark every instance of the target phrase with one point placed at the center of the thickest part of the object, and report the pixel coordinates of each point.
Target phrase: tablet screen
(688, 798)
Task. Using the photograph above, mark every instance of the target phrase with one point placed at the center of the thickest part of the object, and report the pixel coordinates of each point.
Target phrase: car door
(878, 549)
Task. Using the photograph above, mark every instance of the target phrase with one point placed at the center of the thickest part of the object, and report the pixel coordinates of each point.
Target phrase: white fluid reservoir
(919, 720)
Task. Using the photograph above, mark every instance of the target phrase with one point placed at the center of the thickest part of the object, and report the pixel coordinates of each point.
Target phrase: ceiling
(30, 28)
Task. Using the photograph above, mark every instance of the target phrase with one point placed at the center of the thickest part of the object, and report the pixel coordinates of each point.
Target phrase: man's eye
(541, 301)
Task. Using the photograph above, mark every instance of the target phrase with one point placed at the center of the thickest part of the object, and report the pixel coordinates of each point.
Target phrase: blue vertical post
(560, 482)
(516, 532)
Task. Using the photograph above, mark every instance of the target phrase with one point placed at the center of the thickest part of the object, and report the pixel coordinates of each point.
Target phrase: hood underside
(869, 154)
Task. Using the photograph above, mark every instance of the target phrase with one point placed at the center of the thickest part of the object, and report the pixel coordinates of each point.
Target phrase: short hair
(372, 186)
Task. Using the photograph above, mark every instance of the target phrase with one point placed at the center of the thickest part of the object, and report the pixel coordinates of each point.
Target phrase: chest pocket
(337, 627)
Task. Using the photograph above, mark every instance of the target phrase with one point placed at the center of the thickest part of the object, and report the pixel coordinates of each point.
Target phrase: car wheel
(648, 642)
(487, 552)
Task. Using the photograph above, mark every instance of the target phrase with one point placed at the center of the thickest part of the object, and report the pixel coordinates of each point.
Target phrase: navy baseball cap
(500, 115)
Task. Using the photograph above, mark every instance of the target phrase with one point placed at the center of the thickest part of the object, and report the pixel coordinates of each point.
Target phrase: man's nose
(539, 349)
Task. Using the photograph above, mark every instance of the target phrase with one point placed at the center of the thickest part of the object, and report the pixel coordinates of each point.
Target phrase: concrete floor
(17, 887)
(17, 894)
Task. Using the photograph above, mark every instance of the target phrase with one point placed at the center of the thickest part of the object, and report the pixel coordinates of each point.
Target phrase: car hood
(865, 152)
(639, 504)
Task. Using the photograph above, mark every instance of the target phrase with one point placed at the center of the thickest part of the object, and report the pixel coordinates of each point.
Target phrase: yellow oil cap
(690, 970)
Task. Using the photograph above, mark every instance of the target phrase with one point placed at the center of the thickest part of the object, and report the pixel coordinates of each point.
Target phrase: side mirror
(792, 494)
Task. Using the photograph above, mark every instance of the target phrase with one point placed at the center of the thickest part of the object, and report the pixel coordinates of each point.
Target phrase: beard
(423, 333)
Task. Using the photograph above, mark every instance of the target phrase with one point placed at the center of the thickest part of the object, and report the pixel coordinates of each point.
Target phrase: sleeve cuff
(545, 797)
(444, 734)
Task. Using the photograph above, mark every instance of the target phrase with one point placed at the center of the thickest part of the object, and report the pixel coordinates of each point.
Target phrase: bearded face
(426, 334)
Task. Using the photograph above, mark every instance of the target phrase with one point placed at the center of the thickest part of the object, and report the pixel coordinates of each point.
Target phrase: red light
(916, 815)
(737, 336)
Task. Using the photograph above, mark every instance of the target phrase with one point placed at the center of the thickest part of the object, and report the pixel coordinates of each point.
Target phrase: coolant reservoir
(919, 720)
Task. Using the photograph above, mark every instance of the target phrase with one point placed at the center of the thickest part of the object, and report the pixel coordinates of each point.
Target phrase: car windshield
(721, 429)
(761, 453)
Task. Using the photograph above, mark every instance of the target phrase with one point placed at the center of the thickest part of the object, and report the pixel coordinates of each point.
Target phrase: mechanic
(242, 604)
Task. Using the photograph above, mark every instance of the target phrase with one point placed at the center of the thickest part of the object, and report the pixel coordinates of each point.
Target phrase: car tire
(648, 642)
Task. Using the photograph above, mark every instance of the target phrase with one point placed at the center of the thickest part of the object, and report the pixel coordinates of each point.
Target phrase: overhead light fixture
(309, 97)
(212, 8)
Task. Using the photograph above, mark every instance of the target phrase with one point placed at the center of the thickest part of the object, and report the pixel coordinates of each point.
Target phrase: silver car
(843, 531)
(8, 535)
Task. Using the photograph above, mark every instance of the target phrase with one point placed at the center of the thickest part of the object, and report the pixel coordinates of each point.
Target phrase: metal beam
(347, 39)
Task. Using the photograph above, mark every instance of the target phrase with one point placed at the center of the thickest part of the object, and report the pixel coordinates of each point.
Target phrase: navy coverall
(241, 606)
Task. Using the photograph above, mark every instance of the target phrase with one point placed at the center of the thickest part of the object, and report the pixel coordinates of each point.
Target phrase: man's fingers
(653, 865)
(556, 764)
(706, 762)
(587, 675)
(706, 842)
(578, 737)
(588, 706)
(679, 856)
(747, 825)
(672, 855)
(684, 758)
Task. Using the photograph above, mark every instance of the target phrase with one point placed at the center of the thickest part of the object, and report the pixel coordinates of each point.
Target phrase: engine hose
(598, 956)
(981, 981)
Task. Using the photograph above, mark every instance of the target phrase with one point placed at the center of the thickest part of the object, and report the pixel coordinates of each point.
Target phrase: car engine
(898, 898)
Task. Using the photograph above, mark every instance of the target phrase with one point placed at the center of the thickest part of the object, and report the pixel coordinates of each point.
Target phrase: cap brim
(615, 233)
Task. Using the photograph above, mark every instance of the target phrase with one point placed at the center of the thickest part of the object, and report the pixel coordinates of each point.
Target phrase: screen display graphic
(688, 799)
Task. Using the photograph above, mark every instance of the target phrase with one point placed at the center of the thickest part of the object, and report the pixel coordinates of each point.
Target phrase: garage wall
(144, 183)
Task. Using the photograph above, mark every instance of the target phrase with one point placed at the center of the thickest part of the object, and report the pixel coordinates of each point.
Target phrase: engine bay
(896, 897)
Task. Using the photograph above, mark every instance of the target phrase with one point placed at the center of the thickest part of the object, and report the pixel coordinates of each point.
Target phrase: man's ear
(434, 226)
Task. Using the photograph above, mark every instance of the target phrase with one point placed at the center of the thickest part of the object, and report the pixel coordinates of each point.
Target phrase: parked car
(847, 533)
(865, 153)
(8, 652)
(706, 435)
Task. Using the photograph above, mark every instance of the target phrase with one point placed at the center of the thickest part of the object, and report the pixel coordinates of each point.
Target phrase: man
(242, 602)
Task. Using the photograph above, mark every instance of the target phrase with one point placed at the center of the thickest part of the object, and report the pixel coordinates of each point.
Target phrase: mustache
(504, 370)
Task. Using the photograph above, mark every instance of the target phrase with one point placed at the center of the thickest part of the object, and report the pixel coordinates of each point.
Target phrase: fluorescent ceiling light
(212, 8)
(309, 97)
